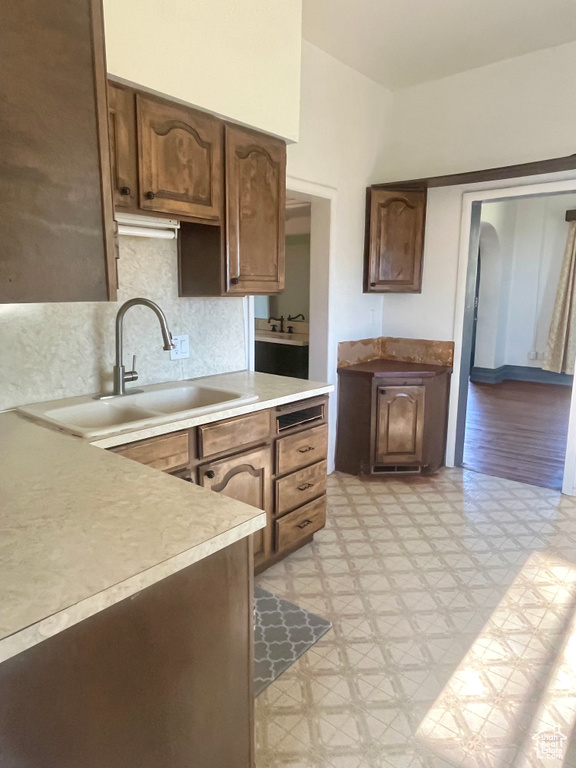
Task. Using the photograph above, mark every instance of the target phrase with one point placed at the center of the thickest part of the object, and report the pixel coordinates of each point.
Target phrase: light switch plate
(181, 347)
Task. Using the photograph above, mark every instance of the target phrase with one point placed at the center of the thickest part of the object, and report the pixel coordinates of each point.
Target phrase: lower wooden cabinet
(398, 424)
(272, 459)
(245, 477)
(160, 680)
(306, 520)
(299, 487)
(392, 417)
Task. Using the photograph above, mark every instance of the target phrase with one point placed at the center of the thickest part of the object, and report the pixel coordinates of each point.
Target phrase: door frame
(471, 203)
(323, 347)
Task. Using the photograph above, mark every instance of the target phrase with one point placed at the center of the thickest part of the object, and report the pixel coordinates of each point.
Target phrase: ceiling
(400, 43)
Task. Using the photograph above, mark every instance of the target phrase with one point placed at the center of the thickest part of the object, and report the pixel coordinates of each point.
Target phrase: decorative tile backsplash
(48, 351)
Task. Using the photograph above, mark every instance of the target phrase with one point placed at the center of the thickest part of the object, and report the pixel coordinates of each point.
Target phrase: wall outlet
(532, 355)
(181, 347)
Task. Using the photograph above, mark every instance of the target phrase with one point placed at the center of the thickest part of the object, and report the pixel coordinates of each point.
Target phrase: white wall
(295, 298)
(430, 314)
(497, 253)
(50, 351)
(344, 124)
(515, 111)
(343, 129)
(520, 278)
(236, 59)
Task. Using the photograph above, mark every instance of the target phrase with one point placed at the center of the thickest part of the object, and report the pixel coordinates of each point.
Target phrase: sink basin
(157, 404)
(96, 415)
(185, 398)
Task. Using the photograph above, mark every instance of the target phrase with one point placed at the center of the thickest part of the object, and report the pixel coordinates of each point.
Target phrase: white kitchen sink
(157, 404)
(98, 414)
(184, 398)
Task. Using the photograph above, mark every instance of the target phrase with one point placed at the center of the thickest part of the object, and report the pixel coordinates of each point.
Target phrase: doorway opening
(515, 419)
(282, 321)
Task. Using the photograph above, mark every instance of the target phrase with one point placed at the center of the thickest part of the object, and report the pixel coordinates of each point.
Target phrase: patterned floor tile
(453, 600)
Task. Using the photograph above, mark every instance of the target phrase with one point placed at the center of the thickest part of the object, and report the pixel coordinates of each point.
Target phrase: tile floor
(453, 600)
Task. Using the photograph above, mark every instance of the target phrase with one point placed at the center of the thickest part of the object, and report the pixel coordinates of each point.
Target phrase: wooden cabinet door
(123, 151)
(179, 159)
(395, 242)
(255, 204)
(399, 424)
(57, 222)
(246, 477)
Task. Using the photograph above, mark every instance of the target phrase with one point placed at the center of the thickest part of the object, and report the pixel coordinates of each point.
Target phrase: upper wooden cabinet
(255, 212)
(225, 184)
(123, 151)
(395, 241)
(179, 159)
(57, 223)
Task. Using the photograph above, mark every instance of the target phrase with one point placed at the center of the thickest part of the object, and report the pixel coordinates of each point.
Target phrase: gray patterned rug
(282, 634)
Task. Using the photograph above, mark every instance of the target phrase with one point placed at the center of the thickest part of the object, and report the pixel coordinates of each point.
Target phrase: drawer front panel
(300, 487)
(301, 523)
(166, 453)
(301, 449)
(228, 435)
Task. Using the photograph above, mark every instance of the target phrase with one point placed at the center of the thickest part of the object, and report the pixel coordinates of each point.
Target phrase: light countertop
(83, 528)
(394, 369)
(270, 390)
(290, 339)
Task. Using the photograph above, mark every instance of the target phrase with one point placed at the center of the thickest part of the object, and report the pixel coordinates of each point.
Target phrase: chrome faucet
(121, 376)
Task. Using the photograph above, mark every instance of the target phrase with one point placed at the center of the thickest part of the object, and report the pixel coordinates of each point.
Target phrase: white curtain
(561, 347)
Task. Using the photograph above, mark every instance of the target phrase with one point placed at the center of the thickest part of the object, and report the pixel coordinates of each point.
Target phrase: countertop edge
(419, 370)
(21, 640)
(133, 436)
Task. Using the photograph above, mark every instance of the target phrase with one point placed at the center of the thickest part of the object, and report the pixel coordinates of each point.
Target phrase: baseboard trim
(518, 373)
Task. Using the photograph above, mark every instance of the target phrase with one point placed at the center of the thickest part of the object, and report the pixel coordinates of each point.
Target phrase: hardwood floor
(518, 430)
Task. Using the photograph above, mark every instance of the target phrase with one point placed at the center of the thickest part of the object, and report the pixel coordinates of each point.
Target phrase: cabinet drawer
(299, 487)
(166, 452)
(301, 449)
(228, 435)
(302, 522)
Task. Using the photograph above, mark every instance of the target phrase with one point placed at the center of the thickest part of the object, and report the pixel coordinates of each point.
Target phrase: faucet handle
(133, 374)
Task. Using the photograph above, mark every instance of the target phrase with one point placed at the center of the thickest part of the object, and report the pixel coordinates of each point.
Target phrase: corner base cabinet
(273, 459)
(392, 417)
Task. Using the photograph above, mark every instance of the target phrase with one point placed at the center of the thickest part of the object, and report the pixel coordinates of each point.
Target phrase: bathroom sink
(185, 398)
(276, 337)
(156, 404)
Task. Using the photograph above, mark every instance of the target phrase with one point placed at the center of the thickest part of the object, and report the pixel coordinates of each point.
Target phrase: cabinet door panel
(245, 477)
(396, 241)
(123, 152)
(179, 160)
(399, 428)
(57, 222)
(256, 200)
